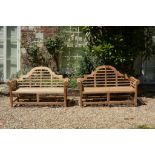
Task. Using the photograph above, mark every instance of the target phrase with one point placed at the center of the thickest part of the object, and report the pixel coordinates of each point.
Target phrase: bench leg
(65, 97)
(81, 102)
(65, 101)
(18, 98)
(108, 98)
(135, 99)
(11, 100)
(37, 95)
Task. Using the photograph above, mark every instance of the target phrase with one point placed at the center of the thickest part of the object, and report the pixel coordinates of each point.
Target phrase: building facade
(15, 39)
(9, 51)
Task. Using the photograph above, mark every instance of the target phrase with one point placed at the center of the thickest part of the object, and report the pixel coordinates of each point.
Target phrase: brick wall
(30, 34)
(36, 34)
(68, 60)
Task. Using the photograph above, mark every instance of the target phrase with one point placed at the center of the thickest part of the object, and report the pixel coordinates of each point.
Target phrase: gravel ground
(76, 117)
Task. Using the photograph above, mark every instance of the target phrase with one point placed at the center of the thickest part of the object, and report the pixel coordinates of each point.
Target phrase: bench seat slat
(94, 90)
(39, 90)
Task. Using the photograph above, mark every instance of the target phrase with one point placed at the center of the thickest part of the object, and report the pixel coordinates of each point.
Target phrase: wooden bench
(107, 86)
(39, 86)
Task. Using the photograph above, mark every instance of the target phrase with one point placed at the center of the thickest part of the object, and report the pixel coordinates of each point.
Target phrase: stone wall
(34, 34)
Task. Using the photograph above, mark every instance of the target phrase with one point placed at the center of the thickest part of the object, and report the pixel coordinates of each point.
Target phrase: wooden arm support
(66, 82)
(79, 83)
(134, 82)
(12, 85)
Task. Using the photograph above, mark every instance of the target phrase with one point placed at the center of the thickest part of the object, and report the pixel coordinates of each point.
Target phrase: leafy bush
(117, 46)
(54, 46)
(87, 63)
(36, 56)
(47, 55)
(72, 82)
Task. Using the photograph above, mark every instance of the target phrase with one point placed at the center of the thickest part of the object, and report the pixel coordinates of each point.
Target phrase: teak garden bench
(107, 86)
(39, 86)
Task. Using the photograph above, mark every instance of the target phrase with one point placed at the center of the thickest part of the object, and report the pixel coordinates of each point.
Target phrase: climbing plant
(54, 46)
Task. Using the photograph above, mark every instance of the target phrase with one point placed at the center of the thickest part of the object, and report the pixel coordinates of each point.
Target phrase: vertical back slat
(116, 76)
(40, 71)
(30, 81)
(105, 77)
(51, 80)
(95, 80)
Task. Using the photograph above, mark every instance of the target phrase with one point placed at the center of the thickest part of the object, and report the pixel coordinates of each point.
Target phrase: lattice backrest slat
(41, 77)
(105, 76)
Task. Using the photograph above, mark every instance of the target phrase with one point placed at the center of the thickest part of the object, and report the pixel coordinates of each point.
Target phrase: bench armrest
(66, 82)
(12, 85)
(134, 82)
(79, 83)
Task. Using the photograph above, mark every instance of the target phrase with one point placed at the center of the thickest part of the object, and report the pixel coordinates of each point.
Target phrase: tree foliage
(34, 55)
(54, 46)
(48, 54)
(117, 46)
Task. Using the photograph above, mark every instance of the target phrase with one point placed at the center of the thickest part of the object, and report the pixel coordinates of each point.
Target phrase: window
(69, 59)
(9, 51)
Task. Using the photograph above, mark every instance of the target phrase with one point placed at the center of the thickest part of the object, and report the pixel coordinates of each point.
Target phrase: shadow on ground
(146, 90)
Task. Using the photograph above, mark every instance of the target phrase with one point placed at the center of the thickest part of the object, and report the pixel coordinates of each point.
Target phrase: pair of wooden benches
(103, 86)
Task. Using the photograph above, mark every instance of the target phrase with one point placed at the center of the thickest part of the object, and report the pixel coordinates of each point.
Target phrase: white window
(69, 59)
(9, 51)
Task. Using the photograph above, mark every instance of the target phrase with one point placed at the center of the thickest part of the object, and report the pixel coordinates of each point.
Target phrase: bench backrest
(41, 77)
(105, 76)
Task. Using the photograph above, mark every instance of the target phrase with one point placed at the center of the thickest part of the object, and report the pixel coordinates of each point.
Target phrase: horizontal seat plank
(108, 102)
(38, 90)
(94, 90)
(40, 103)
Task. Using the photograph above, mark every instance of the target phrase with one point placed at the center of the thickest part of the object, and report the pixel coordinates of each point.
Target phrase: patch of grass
(144, 126)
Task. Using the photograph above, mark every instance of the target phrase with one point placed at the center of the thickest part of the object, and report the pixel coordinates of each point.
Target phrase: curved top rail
(105, 67)
(40, 68)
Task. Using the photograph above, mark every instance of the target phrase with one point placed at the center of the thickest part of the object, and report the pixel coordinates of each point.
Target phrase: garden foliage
(115, 46)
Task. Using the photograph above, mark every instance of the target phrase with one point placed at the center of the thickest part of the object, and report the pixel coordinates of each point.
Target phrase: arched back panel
(106, 76)
(41, 77)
